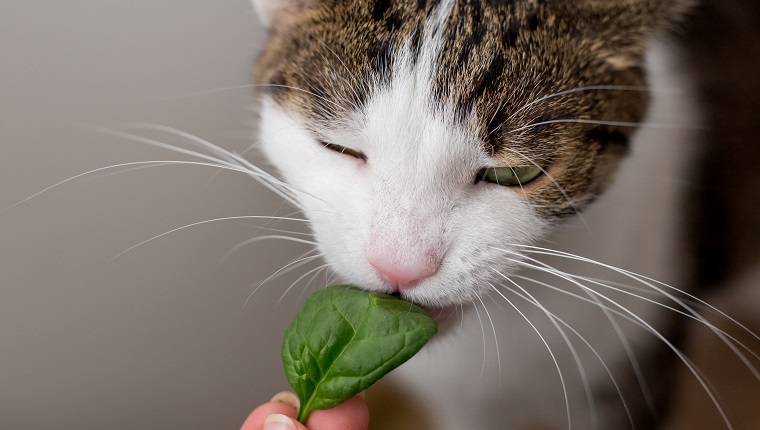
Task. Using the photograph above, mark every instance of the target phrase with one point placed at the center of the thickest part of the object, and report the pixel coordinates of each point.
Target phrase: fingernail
(288, 398)
(362, 394)
(278, 422)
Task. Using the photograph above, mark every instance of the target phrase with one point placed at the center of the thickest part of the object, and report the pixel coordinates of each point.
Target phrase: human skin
(280, 414)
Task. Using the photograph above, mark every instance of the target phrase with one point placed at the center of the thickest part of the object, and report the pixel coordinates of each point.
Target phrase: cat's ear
(270, 11)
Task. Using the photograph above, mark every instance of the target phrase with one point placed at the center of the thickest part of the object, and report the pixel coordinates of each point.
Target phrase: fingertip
(288, 398)
(282, 422)
(352, 414)
(255, 420)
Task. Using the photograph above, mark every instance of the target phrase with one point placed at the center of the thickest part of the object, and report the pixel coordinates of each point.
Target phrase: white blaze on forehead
(413, 143)
(412, 140)
(420, 158)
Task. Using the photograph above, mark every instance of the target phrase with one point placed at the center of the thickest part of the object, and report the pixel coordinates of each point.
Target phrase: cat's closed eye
(509, 176)
(345, 151)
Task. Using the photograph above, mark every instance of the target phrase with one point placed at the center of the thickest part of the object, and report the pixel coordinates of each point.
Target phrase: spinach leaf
(344, 339)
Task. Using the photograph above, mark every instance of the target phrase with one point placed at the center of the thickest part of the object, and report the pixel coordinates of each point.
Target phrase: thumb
(282, 422)
(281, 411)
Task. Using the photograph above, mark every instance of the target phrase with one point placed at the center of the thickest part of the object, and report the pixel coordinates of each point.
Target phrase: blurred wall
(159, 337)
(164, 336)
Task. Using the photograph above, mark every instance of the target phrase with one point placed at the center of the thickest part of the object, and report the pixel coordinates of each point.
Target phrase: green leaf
(344, 339)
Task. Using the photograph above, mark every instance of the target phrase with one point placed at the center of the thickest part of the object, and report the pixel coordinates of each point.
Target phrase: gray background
(159, 337)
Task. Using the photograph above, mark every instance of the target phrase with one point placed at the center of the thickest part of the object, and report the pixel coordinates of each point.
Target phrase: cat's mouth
(439, 313)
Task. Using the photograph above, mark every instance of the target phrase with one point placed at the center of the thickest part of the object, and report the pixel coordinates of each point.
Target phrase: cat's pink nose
(403, 276)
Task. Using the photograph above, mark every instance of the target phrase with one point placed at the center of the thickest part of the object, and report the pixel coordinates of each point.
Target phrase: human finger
(275, 413)
(353, 414)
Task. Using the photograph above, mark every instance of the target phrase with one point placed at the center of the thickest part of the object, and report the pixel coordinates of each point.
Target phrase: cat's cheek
(342, 236)
(327, 186)
(483, 247)
(312, 172)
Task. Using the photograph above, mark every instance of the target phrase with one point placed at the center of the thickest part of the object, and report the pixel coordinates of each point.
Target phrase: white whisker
(609, 123)
(635, 365)
(689, 364)
(252, 240)
(548, 348)
(570, 346)
(217, 150)
(649, 282)
(284, 270)
(215, 90)
(585, 341)
(323, 268)
(578, 90)
(287, 290)
(604, 308)
(280, 188)
(556, 185)
(483, 331)
(152, 163)
(231, 218)
(495, 339)
(461, 319)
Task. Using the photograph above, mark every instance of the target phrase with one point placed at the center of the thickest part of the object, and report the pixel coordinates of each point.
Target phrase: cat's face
(428, 138)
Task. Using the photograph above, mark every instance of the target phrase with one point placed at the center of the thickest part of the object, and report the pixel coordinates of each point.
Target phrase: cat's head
(427, 138)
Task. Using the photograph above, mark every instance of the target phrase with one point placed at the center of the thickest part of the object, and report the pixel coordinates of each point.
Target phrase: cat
(515, 153)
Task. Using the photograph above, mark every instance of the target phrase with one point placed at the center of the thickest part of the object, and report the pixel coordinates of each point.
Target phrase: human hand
(280, 414)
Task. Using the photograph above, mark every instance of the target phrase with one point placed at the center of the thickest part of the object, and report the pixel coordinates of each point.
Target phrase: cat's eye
(345, 151)
(509, 176)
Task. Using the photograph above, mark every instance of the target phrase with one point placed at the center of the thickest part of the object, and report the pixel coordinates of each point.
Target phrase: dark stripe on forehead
(381, 60)
(415, 42)
(380, 9)
(487, 81)
(391, 17)
(476, 32)
(496, 3)
(511, 36)
(404, 23)
(533, 22)
(427, 5)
